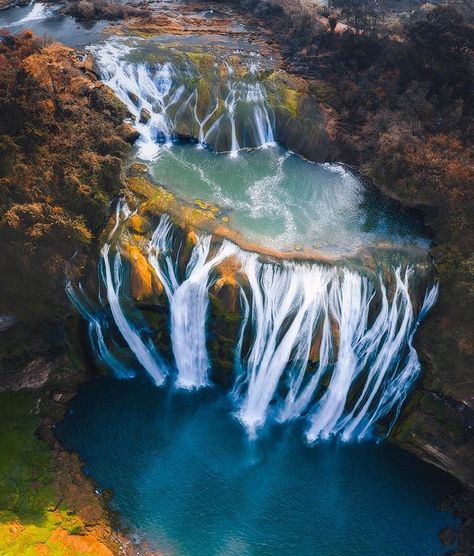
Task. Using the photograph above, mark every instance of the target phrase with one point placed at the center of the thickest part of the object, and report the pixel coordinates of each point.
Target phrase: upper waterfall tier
(237, 101)
(228, 99)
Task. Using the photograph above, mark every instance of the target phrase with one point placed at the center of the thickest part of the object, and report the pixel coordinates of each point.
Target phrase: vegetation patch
(32, 519)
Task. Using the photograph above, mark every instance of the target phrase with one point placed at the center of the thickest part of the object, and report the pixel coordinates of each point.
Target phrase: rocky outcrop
(5, 4)
(62, 142)
(143, 281)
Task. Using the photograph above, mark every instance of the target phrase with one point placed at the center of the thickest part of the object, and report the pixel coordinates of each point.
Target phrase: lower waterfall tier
(332, 345)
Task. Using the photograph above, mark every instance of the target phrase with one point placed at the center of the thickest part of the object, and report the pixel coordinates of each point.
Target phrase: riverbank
(48, 505)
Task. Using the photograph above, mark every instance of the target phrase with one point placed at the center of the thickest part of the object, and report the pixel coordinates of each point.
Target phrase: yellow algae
(138, 224)
(236, 63)
(204, 205)
(141, 186)
(227, 273)
(203, 60)
(290, 100)
(191, 237)
(196, 217)
(162, 201)
(143, 281)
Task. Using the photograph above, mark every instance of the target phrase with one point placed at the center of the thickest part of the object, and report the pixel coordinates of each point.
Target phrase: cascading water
(290, 306)
(188, 300)
(165, 102)
(96, 335)
(326, 344)
(323, 347)
(144, 350)
(278, 293)
(38, 12)
(329, 344)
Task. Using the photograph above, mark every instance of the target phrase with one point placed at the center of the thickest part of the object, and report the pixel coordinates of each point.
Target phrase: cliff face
(438, 422)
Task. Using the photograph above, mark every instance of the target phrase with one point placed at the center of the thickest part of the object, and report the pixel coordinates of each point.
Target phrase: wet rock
(6, 322)
(138, 168)
(145, 116)
(447, 536)
(143, 281)
(134, 98)
(138, 224)
(128, 132)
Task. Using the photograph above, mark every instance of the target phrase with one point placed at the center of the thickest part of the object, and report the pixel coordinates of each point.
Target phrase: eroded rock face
(439, 429)
(57, 185)
(5, 4)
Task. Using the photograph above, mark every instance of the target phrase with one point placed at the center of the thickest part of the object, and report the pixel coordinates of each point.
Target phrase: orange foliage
(61, 146)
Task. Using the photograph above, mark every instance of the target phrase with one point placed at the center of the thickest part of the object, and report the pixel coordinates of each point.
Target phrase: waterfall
(229, 103)
(122, 212)
(188, 300)
(279, 293)
(163, 99)
(37, 13)
(96, 336)
(202, 123)
(369, 372)
(256, 96)
(328, 345)
(143, 350)
(147, 91)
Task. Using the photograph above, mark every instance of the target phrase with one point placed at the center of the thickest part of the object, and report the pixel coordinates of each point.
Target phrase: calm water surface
(185, 476)
(43, 19)
(281, 200)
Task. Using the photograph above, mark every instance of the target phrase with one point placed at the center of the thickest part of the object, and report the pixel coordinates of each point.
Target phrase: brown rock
(138, 224)
(447, 536)
(144, 283)
(144, 116)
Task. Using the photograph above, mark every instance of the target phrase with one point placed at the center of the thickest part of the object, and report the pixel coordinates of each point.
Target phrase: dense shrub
(101, 9)
(60, 164)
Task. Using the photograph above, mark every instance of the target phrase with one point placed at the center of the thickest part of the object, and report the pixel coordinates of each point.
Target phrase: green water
(284, 201)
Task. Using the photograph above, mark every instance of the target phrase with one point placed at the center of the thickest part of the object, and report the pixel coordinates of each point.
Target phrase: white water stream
(326, 344)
